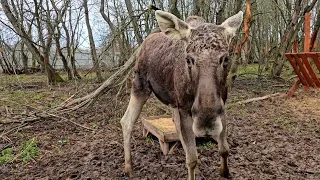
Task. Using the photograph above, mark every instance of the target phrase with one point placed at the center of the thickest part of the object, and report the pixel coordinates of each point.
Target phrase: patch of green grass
(63, 142)
(39, 96)
(206, 145)
(6, 79)
(149, 139)
(94, 126)
(234, 108)
(287, 124)
(250, 70)
(30, 150)
(6, 155)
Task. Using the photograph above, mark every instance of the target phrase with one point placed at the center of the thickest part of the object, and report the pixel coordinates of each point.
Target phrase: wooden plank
(316, 59)
(164, 147)
(296, 68)
(173, 147)
(294, 88)
(153, 130)
(168, 135)
(295, 46)
(306, 46)
(304, 71)
(314, 78)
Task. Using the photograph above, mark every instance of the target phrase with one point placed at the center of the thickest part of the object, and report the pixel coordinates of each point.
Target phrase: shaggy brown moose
(185, 66)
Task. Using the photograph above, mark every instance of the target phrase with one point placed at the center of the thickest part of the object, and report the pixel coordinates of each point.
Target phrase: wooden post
(306, 44)
(295, 46)
(307, 32)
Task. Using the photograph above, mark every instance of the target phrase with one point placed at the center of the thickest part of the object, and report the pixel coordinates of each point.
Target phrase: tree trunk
(2, 65)
(24, 59)
(232, 75)
(173, 8)
(134, 22)
(14, 59)
(220, 17)
(8, 67)
(32, 48)
(92, 44)
(115, 35)
(63, 59)
(197, 7)
(59, 51)
(315, 30)
(70, 44)
(289, 36)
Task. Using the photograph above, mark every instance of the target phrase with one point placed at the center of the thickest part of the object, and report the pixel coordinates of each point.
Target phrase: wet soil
(277, 138)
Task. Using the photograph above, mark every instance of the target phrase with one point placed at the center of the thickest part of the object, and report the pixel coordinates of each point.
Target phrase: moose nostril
(219, 110)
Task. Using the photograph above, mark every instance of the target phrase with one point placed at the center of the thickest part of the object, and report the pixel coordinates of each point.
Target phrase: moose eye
(190, 60)
(224, 61)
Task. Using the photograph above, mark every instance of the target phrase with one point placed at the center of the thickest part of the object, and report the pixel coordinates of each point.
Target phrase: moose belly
(162, 93)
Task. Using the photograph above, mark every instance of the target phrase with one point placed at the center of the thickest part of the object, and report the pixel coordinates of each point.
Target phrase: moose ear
(172, 26)
(233, 23)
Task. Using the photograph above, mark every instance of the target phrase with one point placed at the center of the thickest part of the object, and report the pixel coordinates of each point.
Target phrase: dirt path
(273, 139)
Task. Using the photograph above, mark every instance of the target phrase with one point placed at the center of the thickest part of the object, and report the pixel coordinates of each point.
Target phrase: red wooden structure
(302, 63)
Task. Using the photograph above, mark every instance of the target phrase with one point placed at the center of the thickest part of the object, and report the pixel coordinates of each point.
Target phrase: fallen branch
(18, 127)
(258, 98)
(19, 120)
(40, 114)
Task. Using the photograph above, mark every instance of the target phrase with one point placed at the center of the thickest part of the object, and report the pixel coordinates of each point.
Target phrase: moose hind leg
(223, 151)
(131, 115)
(183, 124)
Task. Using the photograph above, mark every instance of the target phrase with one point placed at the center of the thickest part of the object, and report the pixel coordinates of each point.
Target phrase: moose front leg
(183, 122)
(131, 115)
(223, 149)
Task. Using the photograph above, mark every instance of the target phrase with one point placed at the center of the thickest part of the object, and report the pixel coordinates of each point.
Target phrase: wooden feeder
(301, 62)
(164, 129)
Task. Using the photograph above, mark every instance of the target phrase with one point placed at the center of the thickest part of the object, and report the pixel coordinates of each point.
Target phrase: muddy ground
(277, 138)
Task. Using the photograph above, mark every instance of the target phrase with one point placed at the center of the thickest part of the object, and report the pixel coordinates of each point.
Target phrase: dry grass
(306, 102)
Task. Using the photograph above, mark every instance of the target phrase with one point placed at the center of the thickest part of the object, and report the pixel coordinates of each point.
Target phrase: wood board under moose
(164, 129)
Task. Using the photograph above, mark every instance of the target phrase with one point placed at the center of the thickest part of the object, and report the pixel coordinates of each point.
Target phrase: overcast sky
(98, 25)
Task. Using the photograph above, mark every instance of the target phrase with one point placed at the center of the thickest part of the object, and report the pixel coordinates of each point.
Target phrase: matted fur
(185, 66)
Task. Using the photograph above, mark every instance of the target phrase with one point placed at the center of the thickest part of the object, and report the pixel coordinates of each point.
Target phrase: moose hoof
(224, 172)
(128, 170)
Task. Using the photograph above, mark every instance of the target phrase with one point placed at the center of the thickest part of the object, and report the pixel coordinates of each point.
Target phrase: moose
(185, 66)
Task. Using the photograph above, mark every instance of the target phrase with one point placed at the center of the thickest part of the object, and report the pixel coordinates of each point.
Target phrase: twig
(66, 101)
(258, 98)
(21, 120)
(47, 114)
(85, 127)
(61, 117)
(5, 146)
(15, 128)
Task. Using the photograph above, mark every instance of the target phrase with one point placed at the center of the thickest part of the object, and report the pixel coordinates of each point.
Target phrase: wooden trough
(164, 129)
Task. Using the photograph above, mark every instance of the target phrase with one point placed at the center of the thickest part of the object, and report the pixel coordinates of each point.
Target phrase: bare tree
(60, 13)
(72, 36)
(173, 8)
(42, 58)
(134, 21)
(290, 33)
(92, 44)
